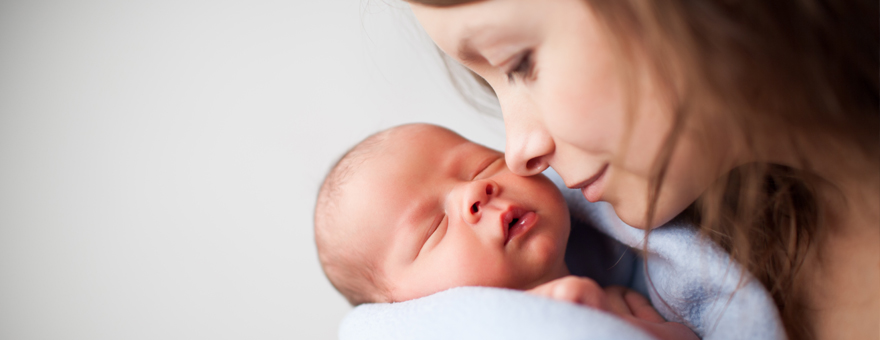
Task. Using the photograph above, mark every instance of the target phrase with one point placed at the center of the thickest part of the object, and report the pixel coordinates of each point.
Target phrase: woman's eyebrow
(466, 52)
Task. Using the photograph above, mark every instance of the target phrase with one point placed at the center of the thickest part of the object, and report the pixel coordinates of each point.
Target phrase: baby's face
(438, 211)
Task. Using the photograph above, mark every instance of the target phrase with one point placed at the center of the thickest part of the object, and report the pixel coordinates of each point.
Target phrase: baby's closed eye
(435, 233)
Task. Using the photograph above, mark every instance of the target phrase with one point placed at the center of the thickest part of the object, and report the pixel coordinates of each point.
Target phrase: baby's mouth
(517, 221)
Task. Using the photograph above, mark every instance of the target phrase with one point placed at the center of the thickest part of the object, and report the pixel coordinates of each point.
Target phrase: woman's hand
(623, 302)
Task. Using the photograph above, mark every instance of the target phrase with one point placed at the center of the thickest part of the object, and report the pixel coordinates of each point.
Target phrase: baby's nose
(478, 195)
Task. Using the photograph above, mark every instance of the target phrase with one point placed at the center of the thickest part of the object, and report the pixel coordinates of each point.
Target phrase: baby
(417, 209)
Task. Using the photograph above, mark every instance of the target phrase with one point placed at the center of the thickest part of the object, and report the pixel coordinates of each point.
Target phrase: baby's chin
(551, 268)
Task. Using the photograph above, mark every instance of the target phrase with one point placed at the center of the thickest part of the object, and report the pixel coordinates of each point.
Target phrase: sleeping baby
(418, 209)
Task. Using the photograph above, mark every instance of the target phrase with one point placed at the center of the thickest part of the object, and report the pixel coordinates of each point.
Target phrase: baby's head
(418, 209)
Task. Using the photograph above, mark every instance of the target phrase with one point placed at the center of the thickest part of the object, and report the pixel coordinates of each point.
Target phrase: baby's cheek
(477, 270)
(544, 252)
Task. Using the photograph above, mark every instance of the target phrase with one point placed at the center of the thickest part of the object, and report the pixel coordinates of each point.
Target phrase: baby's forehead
(410, 158)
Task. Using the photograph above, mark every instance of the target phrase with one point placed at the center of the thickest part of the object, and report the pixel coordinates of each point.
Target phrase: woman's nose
(477, 195)
(528, 151)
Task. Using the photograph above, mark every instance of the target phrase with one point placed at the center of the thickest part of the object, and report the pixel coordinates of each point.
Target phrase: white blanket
(701, 288)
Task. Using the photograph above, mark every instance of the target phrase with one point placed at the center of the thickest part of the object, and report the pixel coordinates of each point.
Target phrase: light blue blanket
(699, 285)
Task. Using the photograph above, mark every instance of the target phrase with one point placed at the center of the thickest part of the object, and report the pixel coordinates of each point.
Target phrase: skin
(414, 205)
(560, 89)
(433, 221)
(577, 125)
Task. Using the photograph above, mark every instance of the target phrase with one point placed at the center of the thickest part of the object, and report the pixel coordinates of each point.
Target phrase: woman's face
(562, 97)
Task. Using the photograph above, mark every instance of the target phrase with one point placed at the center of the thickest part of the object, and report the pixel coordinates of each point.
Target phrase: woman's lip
(588, 181)
(594, 187)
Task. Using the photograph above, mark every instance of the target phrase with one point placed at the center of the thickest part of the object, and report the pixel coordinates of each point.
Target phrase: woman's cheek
(627, 194)
(582, 93)
(585, 120)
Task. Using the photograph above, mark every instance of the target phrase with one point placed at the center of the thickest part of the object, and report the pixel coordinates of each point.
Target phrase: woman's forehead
(455, 29)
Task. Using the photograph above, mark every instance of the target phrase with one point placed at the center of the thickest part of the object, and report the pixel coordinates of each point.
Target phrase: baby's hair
(351, 273)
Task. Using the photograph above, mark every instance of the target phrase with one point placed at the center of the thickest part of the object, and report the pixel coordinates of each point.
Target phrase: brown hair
(804, 72)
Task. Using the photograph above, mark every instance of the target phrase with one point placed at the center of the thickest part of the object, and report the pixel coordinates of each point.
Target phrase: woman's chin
(637, 218)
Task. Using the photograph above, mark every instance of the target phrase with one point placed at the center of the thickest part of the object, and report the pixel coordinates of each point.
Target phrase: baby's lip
(515, 221)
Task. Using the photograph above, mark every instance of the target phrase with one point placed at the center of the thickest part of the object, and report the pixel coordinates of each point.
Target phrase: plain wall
(159, 160)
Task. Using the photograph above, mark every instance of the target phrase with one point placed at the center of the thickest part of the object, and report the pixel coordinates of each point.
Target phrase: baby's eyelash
(522, 66)
(438, 226)
(483, 168)
(430, 233)
(439, 222)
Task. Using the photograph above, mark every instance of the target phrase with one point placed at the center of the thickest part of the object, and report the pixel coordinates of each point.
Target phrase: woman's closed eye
(521, 66)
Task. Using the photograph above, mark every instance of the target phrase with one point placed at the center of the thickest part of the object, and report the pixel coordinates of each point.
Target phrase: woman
(759, 119)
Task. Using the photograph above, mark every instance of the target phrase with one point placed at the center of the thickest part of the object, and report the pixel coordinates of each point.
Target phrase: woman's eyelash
(522, 66)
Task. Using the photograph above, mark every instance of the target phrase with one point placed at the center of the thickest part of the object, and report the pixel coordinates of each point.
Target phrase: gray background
(159, 159)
